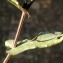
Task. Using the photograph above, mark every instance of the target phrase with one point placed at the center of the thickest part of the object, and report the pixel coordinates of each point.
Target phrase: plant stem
(24, 13)
(19, 28)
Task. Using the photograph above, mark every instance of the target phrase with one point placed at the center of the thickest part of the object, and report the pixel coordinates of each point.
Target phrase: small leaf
(16, 3)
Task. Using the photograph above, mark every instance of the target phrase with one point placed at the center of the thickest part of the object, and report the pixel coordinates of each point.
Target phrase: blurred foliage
(47, 15)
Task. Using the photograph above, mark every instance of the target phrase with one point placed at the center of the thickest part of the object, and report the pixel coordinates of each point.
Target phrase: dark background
(46, 15)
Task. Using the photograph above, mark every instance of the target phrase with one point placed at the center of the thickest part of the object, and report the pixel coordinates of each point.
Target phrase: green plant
(24, 13)
(41, 41)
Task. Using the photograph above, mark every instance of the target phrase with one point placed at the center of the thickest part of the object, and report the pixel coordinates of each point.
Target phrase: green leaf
(16, 3)
(42, 41)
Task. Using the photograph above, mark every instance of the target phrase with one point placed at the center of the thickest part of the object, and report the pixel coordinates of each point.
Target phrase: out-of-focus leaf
(16, 3)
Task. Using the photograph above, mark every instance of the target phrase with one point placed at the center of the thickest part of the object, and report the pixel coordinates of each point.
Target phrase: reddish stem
(17, 35)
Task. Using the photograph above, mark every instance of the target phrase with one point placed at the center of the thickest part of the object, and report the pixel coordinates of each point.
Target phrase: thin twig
(7, 58)
(19, 28)
(24, 13)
